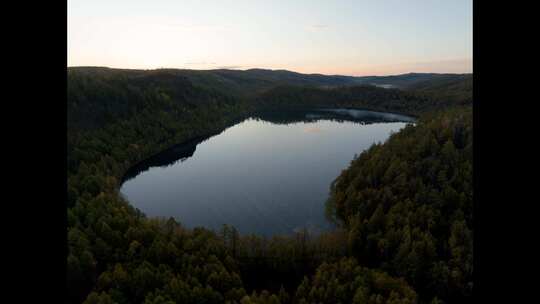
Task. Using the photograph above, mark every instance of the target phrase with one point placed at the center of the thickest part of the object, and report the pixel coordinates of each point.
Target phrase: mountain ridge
(251, 82)
(271, 70)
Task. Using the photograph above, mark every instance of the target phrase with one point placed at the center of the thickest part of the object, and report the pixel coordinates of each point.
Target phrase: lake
(268, 174)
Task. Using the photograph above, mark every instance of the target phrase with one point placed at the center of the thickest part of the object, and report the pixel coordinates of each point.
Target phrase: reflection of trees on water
(338, 115)
(166, 158)
(183, 151)
(180, 152)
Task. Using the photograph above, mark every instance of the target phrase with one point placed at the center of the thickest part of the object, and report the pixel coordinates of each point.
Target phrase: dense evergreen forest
(361, 96)
(404, 207)
(407, 205)
(451, 90)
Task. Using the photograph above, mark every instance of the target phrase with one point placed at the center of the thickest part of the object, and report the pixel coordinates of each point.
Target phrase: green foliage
(409, 213)
(362, 96)
(347, 282)
(407, 204)
(95, 298)
(115, 119)
(456, 89)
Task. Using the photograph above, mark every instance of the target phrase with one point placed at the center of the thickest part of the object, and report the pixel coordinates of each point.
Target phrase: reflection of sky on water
(259, 176)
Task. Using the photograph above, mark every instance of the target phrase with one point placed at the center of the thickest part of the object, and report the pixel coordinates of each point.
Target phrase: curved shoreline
(189, 146)
(185, 149)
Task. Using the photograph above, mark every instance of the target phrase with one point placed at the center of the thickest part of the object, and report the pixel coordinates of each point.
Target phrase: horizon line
(266, 69)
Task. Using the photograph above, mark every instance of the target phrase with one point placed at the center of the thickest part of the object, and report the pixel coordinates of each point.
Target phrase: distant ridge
(256, 80)
(280, 71)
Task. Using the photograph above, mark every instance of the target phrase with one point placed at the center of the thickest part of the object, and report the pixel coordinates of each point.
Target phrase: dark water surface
(269, 174)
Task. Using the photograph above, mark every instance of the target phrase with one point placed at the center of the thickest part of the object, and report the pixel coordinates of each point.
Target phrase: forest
(408, 203)
(404, 207)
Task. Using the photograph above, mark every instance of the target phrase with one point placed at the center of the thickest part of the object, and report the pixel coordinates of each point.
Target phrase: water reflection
(169, 157)
(268, 174)
(339, 115)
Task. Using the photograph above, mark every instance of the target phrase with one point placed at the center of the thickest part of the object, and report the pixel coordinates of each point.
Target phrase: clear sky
(356, 37)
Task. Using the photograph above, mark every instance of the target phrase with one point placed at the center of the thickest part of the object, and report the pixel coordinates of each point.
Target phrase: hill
(117, 118)
(408, 207)
(254, 81)
(411, 80)
(450, 89)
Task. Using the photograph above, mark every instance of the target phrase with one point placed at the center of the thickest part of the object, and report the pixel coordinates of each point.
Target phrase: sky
(361, 37)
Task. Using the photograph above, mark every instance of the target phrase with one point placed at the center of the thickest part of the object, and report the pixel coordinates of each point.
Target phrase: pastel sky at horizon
(358, 38)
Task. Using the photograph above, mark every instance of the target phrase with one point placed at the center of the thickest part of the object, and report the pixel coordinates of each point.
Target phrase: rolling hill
(254, 81)
(118, 118)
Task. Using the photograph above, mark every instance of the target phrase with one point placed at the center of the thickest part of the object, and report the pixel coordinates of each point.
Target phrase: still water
(269, 174)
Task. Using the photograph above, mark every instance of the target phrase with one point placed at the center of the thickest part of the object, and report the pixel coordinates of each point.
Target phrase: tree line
(408, 205)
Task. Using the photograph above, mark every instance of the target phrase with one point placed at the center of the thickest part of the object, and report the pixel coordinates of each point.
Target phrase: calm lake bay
(269, 174)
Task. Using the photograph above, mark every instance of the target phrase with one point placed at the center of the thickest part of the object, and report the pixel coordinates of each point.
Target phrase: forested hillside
(115, 121)
(117, 118)
(252, 82)
(363, 96)
(246, 83)
(410, 80)
(456, 90)
(408, 205)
